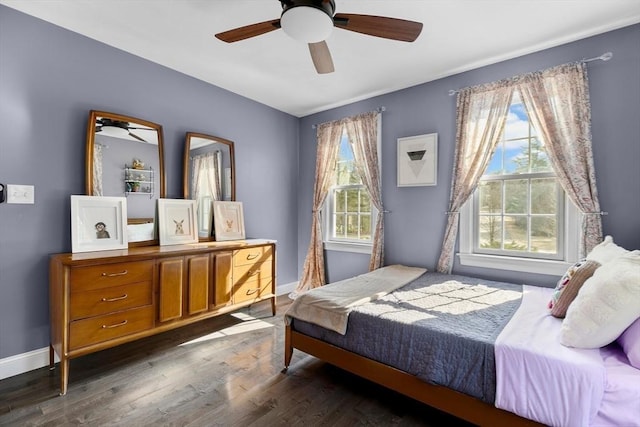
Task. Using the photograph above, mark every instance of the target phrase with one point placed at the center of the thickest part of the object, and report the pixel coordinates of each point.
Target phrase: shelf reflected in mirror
(124, 157)
(209, 174)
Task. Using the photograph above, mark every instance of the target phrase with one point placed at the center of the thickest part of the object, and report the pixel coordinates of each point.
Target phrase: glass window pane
(517, 125)
(365, 227)
(339, 226)
(365, 201)
(339, 197)
(539, 160)
(515, 233)
(352, 226)
(490, 197)
(516, 156)
(544, 234)
(515, 196)
(352, 200)
(544, 196)
(490, 232)
(495, 164)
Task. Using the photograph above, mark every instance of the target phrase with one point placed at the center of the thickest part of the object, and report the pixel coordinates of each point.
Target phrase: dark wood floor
(221, 372)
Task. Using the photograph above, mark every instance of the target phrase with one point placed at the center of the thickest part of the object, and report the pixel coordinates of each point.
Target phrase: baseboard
(25, 362)
(286, 289)
(36, 359)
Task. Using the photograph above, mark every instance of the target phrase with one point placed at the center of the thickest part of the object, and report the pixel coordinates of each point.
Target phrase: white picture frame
(228, 220)
(177, 223)
(418, 160)
(98, 223)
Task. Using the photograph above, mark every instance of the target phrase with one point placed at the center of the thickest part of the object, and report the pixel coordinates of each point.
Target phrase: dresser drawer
(107, 275)
(244, 273)
(252, 255)
(109, 300)
(251, 290)
(103, 328)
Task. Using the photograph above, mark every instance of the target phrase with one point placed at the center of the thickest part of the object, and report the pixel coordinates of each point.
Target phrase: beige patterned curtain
(557, 102)
(481, 115)
(328, 135)
(363, 137)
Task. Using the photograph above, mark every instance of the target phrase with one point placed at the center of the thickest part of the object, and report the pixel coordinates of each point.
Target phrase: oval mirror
(125, 158)
(208, 175)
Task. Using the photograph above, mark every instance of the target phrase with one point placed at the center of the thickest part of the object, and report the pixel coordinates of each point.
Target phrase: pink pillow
(630, 343)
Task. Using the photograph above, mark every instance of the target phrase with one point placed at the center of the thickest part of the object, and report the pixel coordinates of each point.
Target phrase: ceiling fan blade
(379, 26)
(248, 31)
(136, 137)
(321, 57)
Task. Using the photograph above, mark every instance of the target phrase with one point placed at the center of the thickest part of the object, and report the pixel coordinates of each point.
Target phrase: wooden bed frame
(455, 403)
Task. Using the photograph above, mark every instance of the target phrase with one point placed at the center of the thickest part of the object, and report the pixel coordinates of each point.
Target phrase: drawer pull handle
(252, 291)
(254, 272)
(252, 256)
(122, 273)
(115, 298)
(124, 322)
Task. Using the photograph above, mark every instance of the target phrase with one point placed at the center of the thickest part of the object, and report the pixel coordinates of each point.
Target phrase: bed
(485, 351)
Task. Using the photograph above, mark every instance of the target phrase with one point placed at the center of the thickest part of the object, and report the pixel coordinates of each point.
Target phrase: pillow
(569, 285)
(630, 343)
(606, 305)
(606, 251)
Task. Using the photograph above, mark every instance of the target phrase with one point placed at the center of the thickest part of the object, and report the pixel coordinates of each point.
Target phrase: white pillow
(606, 251)
(607, 303)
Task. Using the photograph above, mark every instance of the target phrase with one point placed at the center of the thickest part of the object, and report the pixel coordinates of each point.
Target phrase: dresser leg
(64, 375)
(273, 306)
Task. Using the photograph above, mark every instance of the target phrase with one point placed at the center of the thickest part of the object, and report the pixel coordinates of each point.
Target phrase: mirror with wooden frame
(124, 157)
(209, 174)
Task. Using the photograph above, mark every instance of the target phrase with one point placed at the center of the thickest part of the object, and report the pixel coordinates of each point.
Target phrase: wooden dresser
(102, 299)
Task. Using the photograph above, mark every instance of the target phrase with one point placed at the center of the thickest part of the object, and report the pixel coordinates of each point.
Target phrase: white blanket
(329, 306)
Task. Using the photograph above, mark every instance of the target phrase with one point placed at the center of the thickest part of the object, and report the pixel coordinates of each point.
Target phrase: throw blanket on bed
(440, 328)
(329, 306)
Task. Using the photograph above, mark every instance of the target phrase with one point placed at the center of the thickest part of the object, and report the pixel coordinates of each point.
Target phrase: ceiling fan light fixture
(308, 23)
(115, 131)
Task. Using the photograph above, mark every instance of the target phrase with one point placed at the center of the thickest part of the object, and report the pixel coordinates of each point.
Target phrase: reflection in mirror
(125, 158)
(208, 175)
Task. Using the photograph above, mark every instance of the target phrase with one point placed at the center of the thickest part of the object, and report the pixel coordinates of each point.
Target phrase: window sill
(359, 248)
(524, 265)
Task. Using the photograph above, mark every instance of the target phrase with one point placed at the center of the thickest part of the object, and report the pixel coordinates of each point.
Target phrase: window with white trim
(349, 214)
(519, 214)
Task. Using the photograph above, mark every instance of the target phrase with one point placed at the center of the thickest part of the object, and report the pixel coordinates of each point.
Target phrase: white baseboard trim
(286, 289)
(36, 359)
(25, 362)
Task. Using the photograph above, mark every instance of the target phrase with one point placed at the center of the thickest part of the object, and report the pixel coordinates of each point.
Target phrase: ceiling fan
(311, 21)
(118, 128)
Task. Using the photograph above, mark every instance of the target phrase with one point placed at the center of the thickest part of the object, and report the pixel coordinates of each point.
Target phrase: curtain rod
(379, 110)
(604, 57)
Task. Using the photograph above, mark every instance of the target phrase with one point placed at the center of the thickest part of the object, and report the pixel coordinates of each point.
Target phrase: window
(349, 214)
(518, 213)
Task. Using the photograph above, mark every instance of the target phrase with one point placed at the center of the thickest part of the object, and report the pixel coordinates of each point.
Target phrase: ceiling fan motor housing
(308, 21)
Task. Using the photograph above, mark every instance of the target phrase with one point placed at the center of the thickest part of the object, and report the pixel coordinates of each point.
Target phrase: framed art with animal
(177, 221)
(228, 220)
(98, 223)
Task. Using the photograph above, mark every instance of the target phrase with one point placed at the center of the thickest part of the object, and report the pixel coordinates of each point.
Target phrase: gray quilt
(440, 328)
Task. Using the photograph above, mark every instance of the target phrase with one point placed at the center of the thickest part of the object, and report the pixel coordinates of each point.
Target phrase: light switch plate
(23, 194)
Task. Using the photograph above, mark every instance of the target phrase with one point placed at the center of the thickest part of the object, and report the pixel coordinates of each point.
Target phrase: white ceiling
(458, 35)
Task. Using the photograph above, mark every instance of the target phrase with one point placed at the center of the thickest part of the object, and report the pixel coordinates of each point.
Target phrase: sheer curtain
(206, 176)
(481, 115)
(363, 137)
(328, 136)
(557, 102)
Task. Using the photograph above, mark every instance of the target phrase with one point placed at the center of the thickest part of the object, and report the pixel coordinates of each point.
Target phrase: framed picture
(177, 221)
(418, 160)
(98, 223)
(228, 220)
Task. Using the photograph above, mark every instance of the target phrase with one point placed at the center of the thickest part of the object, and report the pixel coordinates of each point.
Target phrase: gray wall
(415, 228)
(49, 80)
